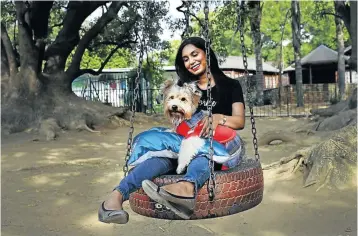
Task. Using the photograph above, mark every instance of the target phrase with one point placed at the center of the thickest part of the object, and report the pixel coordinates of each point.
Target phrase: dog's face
(180, 103)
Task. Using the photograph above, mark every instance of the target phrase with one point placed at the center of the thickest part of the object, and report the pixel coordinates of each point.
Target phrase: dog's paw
(180, 169)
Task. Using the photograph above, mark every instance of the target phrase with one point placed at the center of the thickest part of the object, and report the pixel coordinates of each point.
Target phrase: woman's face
(194, 59)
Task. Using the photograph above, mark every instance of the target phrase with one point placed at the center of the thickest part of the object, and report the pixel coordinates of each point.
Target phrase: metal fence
(276, 102)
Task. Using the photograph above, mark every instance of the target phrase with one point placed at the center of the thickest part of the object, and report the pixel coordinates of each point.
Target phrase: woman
(228, 109)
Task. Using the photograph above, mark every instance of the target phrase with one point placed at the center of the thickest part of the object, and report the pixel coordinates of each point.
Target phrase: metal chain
(187, 20)
(134, 108)
(240, 10)
(211, 182)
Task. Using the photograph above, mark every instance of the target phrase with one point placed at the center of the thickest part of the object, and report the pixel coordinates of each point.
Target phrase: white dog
(180, 103)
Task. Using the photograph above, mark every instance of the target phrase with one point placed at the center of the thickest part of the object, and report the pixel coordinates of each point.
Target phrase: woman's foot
(111, 211)
(114, 202)
(181, 206)
(183, 188)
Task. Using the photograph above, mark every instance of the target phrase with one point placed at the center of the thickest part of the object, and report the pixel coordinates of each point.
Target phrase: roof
(320, 55)
(348, 50)
(236, 62)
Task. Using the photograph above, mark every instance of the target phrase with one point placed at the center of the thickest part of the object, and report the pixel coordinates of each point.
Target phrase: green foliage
(8, 18)
(57, 15)
(168, 55)
(317, 29)
(121, 59)
(8, 12)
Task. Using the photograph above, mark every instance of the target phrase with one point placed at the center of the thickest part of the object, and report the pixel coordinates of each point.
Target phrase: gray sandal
(181, 206)
(112, 216)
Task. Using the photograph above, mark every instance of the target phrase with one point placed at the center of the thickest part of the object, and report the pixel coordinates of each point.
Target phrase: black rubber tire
(237, 190)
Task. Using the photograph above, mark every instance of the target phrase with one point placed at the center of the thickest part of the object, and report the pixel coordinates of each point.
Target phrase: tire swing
(228, 192)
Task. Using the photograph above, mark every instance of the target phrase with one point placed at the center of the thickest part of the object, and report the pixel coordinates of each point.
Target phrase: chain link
(240, 10)
(211, 182)
(187, 32)
(134, 108)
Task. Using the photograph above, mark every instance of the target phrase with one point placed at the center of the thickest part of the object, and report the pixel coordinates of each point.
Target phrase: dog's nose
(174, 107)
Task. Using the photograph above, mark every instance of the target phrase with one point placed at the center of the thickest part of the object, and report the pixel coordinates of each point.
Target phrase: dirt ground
(55, 188)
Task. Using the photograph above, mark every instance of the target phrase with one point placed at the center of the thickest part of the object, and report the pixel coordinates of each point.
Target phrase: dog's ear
(193, 88)
(195, 91)
(166, 86)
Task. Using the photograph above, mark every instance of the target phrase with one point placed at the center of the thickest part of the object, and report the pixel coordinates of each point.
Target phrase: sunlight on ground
(62, 202)
(59, 151)
(96, 145)
(229, 234)
(283, 198)
(39, 180)
(19, 154)
(104, 179)
(106, 145)
(67, 174)
(51, 179)
(265, 149)
(91, 221)
(120, 144)
(51, 157)
(207, 228)
(93, 160)
(271, 233)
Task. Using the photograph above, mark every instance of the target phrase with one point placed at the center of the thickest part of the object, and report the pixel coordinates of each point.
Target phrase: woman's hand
(216, 121)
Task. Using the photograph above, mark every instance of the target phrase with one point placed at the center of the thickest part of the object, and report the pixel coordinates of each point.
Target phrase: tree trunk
(296, 36)
(353, 34)
(8, 51)
(255, 21)
(348, 13)
(26, 83)
(341, 62)
(45, 101)
(5, 71)
(281, 62)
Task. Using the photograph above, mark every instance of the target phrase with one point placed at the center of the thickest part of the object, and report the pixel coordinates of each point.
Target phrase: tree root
(81, 125)
(297, 155)
(327, 179)
(329, 164)
(50, 113)
(338, 121)
(49, 129)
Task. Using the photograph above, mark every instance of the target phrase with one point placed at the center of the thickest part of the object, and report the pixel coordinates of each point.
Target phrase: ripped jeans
(198, 173)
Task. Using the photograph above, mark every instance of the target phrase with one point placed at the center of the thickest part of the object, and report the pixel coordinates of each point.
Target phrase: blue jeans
(198, 173)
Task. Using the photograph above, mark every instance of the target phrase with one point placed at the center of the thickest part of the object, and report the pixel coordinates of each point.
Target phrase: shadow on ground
(55, 188)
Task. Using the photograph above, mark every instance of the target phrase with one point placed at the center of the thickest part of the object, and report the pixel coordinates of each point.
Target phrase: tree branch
(9, 51)
(112, 43)
(330, 13)
(125, 44)
(104, 63)
(27, 49)
(344, 11)
(189, 13)
(5, 72)
(68, 37)
(94, 31)
(39, 17)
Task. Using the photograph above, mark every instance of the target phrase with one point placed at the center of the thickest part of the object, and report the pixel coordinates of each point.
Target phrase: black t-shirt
(226, 92)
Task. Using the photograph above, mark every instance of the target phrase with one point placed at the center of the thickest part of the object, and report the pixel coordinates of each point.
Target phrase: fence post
(288, 96)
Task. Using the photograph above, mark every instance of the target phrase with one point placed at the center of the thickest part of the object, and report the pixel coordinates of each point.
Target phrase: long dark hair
(184, 74)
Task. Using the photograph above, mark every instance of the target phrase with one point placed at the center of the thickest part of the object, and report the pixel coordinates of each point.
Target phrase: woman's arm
(236, 121)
